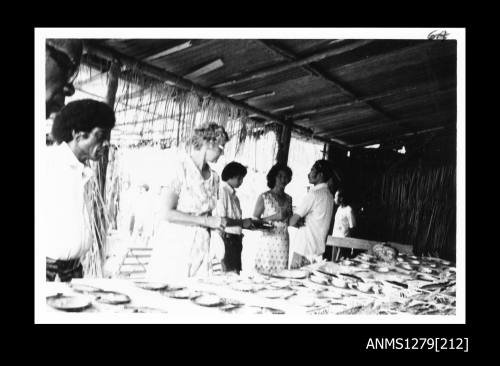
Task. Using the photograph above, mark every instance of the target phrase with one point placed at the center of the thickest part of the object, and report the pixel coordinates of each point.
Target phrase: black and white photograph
(250, 175)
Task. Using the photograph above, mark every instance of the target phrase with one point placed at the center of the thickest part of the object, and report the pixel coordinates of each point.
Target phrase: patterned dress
(272, 255)
(182, 251)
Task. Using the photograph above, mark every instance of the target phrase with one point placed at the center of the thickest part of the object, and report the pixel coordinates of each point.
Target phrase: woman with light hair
(181, 244)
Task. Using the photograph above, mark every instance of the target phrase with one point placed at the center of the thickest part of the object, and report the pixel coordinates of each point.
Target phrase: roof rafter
(99, 50)
(272, 70)
(369, 126)
(169, 51)
(322, 114)
(402, 136)
(337, 84)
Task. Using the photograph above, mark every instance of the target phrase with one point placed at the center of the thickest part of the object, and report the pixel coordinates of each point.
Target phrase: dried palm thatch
(420, 206)
(154, 112)
(97, 221)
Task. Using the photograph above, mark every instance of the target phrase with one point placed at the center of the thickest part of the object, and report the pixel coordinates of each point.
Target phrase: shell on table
(364, 287)
(319, 279)
(425, 269)
(338, 282)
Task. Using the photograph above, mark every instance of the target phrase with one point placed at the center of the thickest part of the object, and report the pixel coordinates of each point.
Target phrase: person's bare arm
(294, 220)
(297, 219)
(170, 213)
(259, 207)
(259, 210)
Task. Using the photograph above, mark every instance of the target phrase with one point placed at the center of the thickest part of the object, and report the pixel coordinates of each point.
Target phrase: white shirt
(317, 208)
(228, 206)
(344, 220)
(65, 220)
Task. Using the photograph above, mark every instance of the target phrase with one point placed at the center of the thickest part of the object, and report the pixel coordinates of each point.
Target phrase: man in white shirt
(316, 211)
(228, 206)
(81, 130)
(62, 61)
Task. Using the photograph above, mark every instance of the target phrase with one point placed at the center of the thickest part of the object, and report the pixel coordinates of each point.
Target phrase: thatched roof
(350, 92)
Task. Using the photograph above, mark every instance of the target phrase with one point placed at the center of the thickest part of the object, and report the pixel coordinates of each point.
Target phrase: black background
(228, 343)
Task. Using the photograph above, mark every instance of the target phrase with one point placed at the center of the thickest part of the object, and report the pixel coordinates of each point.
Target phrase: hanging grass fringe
(154, 113)
(97, 219)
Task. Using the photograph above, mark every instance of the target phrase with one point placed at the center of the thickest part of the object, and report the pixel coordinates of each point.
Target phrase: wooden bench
(362, 244)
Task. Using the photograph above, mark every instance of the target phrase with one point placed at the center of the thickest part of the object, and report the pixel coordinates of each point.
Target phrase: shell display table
(359, 286)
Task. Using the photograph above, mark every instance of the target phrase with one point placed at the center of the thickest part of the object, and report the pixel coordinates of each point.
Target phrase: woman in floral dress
(274, 206)
(181, 244)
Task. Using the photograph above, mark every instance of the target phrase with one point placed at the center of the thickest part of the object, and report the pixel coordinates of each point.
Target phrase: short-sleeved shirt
(196, 195)
(317, 209)
(228, 206)
(65, 221)
(344, 220)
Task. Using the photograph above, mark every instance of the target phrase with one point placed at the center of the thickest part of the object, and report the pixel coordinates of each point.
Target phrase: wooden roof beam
(240, 93)
(273, 70)
(94, 47)
(362, 126)
(396, 54)
(330, 80)
(369, 126)
(324, 109)
(163, 75)
(169, 51)
(260, 96)
(214, 65)
(403, 136)
(90, 79)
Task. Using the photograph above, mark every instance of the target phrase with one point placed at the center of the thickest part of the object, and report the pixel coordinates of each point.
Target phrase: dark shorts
(232, 256)
(66, 270)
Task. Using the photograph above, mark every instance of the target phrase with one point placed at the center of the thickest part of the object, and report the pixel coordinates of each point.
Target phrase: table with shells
(363, 285)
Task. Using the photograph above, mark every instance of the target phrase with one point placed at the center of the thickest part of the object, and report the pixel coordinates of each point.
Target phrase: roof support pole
(284, 135)
(102, 165)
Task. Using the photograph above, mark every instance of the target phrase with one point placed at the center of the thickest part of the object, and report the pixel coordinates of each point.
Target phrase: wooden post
(336, 156)
(284, 134)
(325, 151)
(114, 72)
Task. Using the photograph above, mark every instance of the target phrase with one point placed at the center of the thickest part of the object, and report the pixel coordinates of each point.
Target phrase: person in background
(274, 206)
(62, 61)
(228, 206)
(181, 246)
(316, 212)
(345, 221)
(81, 131)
